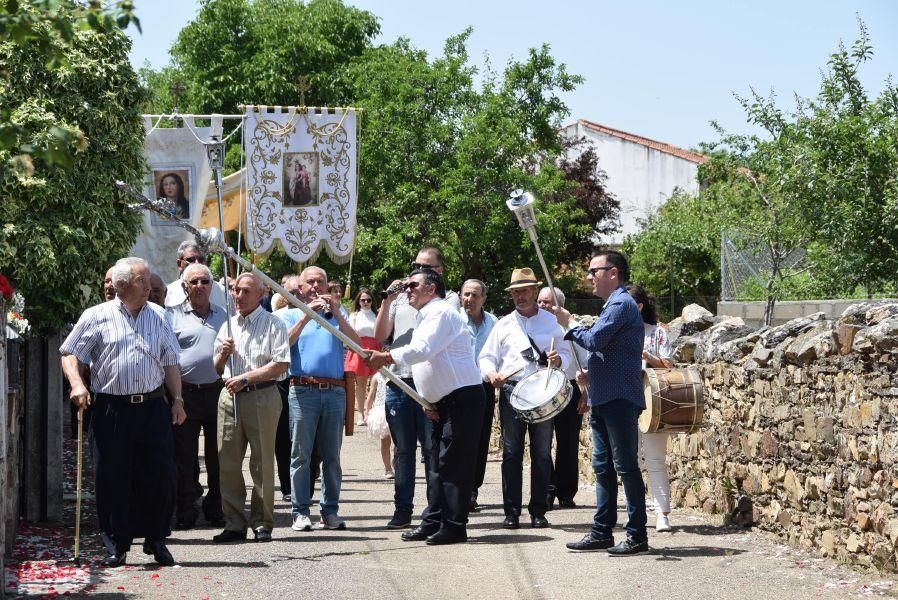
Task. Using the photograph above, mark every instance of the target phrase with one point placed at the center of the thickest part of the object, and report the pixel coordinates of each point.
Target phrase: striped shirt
(126, 355)
(259, 338)
(440, 352)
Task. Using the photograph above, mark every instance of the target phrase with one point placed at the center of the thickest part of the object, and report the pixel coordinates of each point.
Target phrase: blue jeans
(513, 431)
(322, 412)
(615, 450)
(408, 426)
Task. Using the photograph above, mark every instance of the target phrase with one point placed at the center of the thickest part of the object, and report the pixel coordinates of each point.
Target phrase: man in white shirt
(441, 357)
(520, 344)
(189, 253)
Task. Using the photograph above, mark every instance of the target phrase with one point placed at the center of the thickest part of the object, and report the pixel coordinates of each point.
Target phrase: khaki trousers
(256, 425)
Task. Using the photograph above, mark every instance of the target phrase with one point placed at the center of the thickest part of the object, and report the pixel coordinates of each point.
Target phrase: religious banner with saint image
(301, 179)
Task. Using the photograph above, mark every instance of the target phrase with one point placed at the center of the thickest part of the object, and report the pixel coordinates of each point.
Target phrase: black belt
(196, 387)
(132, 398)
(257, 386)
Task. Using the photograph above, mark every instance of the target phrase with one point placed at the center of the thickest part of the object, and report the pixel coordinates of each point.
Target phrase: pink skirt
(354, 362)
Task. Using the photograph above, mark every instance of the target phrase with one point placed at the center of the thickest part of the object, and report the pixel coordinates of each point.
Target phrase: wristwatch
(245, 382)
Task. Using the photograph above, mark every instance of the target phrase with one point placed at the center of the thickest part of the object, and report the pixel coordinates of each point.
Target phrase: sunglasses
(412, 285)
(203, 281)
(365, 300)
(593, 270)
(194, 259)
(421, 266)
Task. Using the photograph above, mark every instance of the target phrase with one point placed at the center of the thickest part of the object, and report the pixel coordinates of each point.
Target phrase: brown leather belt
(323, 383)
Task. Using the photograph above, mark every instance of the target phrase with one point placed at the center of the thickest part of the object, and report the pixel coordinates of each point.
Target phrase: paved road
(369, 561)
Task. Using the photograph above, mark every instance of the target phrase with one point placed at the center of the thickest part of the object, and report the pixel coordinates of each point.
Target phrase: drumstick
(512, 374)
(551, 350)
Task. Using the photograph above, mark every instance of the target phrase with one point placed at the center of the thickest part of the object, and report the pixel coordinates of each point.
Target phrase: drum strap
(539, 357)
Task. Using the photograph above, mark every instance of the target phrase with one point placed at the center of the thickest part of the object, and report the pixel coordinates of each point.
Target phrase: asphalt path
(367, 560)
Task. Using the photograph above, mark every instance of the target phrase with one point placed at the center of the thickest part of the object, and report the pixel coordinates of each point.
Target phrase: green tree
(253, 51)
(48, 27)
(440, 155)
(62, 226)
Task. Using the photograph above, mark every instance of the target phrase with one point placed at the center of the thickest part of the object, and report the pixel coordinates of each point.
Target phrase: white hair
(478, 283)
(559, 295)
(123, 270)
(258, 281)
(189, 245)
(319, 269)
(205, 269)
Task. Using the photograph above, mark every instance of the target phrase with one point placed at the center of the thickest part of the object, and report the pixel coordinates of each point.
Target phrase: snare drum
(674, 401)
(541, 395)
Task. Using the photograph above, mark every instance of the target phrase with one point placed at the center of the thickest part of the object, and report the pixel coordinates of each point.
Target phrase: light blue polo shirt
(317, 352)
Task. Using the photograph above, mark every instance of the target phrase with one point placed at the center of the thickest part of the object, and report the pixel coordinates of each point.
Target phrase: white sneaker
(662, 523)
(389, 474)
(302, 523)
(331, 522)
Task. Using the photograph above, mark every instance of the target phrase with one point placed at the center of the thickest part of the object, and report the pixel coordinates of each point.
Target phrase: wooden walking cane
(77, 559)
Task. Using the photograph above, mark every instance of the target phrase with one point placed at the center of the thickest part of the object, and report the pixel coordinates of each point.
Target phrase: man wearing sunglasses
(441, 357)
(190, 253)
(616, 398)
(196, 322)
(395, 324)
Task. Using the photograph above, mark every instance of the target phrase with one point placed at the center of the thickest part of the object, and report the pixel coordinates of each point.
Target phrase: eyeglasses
(194, 259)
(411, 285)
(593, 270)
(422, 266)
(365, 300)
(203, 281)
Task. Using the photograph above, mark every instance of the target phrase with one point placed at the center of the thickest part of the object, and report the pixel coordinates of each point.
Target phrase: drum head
(535, 389)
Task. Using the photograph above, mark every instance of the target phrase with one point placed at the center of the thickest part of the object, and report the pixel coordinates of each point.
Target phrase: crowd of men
(158, 365)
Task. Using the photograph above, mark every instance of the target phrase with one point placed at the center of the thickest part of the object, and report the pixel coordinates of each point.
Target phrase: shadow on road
(508, 538)
(681, 552)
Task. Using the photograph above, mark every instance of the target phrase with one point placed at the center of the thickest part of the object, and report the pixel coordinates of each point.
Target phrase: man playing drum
(519, 344)
(616, 399)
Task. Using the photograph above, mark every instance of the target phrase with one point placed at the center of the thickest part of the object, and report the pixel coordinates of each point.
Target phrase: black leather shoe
(400, 520)
(447, 536)
(262, 535)
(419, 533)
(629, 547)
(511, 522)
(539, 522)
(566, 503)
(228, 536)
(160, 553)
(590, 544)
(116, 559)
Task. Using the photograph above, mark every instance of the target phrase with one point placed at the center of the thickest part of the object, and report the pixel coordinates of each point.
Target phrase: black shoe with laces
(400, 520)
(590, 544)
(629, 547)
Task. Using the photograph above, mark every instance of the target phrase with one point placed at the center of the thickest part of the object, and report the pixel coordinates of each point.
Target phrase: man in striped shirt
(261, 355)
(131, 350)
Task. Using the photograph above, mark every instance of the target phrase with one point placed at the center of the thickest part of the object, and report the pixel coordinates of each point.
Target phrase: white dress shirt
(440, 352)
(571, 370)
(503, 349)
(363, 322)
(259, 338)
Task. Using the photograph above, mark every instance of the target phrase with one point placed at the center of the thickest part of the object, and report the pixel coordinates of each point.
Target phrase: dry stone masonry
(801, 429)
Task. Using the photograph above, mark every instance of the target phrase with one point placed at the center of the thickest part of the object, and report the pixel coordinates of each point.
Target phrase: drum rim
(698, 417)
(567, 390)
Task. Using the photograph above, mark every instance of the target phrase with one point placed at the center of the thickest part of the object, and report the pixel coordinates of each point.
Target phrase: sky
(656, 68)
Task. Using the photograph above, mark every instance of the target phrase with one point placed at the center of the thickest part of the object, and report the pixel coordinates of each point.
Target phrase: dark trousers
(513, 431)
(282, 439)
(452, 458)
(615, 439)
(135, 468)
(483, 446)
(566, 474)
(201, 407)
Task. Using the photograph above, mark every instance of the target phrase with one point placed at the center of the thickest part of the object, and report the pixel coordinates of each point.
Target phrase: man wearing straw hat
(521, 343)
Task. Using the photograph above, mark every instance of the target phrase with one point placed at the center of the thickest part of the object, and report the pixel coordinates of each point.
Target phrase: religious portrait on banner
(300, 179)
(173, 185)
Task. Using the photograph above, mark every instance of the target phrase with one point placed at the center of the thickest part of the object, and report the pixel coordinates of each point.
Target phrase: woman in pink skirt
(362, 320)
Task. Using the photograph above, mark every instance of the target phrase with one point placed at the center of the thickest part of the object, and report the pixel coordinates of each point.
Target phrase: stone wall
(753, 312)
(800, 435)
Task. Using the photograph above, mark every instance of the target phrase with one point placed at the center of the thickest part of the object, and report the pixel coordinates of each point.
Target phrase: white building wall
(642, 178)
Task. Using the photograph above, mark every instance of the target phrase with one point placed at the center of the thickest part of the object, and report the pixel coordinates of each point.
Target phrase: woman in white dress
(653, 446)
(362, 320)
(375, 410)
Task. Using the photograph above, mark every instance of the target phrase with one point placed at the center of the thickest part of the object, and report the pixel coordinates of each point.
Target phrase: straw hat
(522, 278)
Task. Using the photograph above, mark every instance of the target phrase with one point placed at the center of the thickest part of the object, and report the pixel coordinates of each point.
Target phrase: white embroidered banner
(180, 173)
(302, 174)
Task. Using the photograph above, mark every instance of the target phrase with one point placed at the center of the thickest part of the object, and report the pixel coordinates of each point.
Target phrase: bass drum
(541, 395)
(674, 401)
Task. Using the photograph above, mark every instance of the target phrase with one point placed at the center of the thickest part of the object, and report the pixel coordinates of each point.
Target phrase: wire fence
(746, 265)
